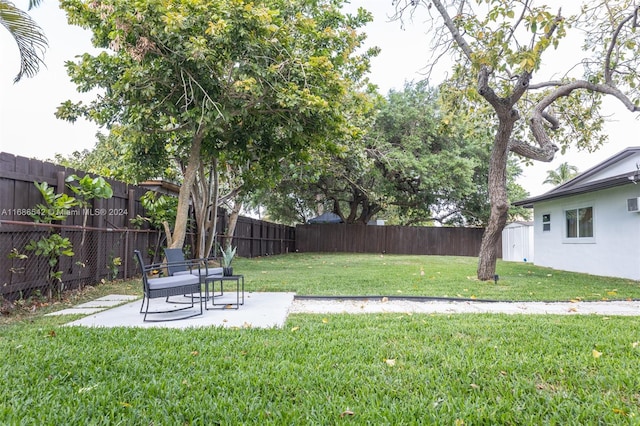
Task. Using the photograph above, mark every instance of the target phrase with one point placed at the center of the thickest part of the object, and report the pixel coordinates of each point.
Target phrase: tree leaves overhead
(261, 77)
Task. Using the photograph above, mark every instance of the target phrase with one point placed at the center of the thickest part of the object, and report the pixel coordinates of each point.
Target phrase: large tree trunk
(233, 221)
(182, 214)
(499, 202)
(213, 223)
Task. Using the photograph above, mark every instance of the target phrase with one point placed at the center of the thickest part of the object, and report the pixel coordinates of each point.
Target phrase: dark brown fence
(389, 239)
(103, 248)
(255, 237)
(98, 254)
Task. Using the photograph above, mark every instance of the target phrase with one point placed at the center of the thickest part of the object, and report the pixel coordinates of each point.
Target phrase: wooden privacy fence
(103, 248)
(255, 237)
(389, 239)
(98, 254)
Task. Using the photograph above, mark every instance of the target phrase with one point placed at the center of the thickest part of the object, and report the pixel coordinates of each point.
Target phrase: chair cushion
(172, 281)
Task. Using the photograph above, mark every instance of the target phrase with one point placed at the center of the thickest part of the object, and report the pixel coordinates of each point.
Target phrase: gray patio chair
(166, 287)
(178, 265)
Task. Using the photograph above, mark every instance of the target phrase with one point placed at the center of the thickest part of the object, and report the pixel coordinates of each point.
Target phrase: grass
(339, 369)
(435, 276)
(336, 369)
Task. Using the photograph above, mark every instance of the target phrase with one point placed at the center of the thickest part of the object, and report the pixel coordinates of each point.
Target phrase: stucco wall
(615, 248)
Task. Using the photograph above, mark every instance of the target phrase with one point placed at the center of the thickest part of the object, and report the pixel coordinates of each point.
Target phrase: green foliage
(89, 188)
(56, 206)
(239, 82)
(228, 253)
(259, 80)
(51, 247)
(159, 208)
(561, 174)
(416, 164)
(114, 266)
(29, 37)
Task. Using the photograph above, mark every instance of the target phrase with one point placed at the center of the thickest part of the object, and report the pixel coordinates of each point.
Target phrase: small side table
(239, 279)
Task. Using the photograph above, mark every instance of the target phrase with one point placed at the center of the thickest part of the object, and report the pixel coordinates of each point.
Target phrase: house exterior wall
(614, 249)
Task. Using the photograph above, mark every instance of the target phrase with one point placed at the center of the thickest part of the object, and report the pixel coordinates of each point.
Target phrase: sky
(29, 128)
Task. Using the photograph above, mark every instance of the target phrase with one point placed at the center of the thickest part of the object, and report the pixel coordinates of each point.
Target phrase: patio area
(260, 310)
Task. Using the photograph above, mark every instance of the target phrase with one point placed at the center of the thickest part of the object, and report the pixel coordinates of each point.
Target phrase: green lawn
(436, 276)
(339, 369)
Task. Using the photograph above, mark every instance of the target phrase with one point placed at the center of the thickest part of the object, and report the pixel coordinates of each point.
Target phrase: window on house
(546, 222)
(579, 222)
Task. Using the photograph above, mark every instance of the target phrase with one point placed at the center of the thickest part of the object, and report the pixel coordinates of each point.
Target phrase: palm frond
(29, 37)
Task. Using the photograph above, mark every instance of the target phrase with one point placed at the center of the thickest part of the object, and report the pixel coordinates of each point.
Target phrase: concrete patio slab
(97, 305)
(101, 304)
(260, 310)
(76, 311)
(120, 297)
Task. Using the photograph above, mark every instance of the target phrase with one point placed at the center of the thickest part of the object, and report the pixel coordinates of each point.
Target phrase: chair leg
(144, 297)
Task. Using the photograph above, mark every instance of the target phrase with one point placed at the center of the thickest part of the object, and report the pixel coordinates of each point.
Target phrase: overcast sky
(29, 128)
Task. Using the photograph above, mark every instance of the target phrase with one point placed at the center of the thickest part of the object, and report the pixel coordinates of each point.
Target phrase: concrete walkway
(268, 310)
(626, 308)
(260, 310)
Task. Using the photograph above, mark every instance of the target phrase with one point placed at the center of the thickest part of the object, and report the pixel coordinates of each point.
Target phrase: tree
(413, 165)
(561, 174)
(498, 47)
(199, 80)
(29, 37)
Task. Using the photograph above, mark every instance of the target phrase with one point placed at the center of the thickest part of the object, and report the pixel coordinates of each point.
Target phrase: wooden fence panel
(389, 239)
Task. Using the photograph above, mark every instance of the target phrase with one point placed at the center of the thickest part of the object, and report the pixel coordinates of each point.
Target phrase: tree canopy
(412, 166)
(250, 82)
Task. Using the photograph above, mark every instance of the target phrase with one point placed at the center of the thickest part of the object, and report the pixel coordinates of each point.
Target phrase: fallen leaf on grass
(295, 328)
(325, 320)
(619, 411)
(195, 353)
(573, 310)
(347, 413)
(474, 386)
(390, 362)
(87, 389)
(596, 354)
(635, 344)
(385, 299)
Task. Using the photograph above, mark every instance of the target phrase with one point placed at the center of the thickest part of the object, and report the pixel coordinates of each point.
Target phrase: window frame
(578, 239)
(546, 222)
